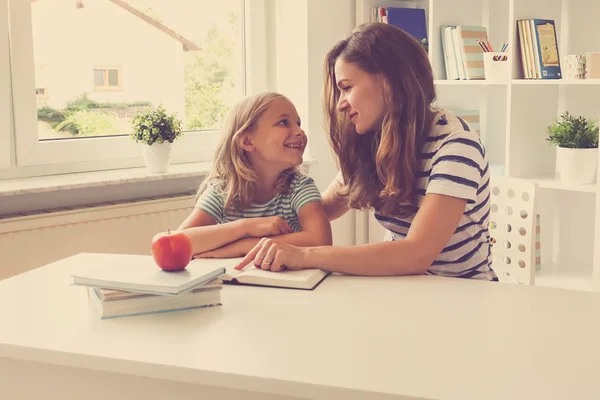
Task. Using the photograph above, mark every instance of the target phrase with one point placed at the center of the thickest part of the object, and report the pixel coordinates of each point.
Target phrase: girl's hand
(232, 250)
(271, 255)
(267, 226)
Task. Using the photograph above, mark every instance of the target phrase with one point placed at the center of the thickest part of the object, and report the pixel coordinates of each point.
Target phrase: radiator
(30, 241)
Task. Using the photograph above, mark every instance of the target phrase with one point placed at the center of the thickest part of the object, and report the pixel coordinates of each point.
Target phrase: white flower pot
(577, 165)
(157, 156)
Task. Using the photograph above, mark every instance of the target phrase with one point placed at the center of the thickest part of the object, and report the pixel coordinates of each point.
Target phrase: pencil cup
(496, 66)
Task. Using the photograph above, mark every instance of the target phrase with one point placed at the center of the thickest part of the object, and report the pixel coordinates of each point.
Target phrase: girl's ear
(246, 142)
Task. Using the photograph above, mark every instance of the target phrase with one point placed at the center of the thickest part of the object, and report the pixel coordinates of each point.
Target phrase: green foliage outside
(85, 117)
(207, 78)
(573, 132)
(88, 123)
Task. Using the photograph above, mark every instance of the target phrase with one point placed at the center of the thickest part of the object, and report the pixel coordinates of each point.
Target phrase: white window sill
(83, 180)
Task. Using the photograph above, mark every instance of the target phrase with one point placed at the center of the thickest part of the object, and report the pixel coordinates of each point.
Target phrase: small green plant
(573, 132)
(155, 126)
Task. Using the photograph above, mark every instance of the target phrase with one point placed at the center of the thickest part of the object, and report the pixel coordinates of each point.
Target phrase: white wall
(306, 30)
(329, 21)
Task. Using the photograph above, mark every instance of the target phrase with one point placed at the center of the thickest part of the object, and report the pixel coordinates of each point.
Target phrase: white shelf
(552, 181)
(546, 82)
(470, 82)
(571, 82)
(513, 120)
(552, 275)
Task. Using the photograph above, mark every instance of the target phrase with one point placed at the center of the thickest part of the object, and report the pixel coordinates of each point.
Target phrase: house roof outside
(187, 44)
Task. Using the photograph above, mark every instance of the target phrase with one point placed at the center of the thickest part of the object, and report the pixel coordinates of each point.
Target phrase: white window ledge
(83, 180)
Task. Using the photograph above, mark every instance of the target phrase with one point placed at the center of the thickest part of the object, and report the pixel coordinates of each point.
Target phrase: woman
(422, 170)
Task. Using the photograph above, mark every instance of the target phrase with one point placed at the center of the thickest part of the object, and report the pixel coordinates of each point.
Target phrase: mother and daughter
(421, 169)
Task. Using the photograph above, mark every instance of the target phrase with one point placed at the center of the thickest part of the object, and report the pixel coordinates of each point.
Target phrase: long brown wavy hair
(232, 175)
(380, 168)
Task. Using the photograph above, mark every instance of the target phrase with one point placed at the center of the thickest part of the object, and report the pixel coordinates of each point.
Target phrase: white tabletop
(352, 337)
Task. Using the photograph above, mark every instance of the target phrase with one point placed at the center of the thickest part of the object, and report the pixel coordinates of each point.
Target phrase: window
(191, 57)
(41, 83)
(4, 89)
(107, 79)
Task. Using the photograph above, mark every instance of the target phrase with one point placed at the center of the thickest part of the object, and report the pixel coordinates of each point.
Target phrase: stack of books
(538, 46)
(120, 285)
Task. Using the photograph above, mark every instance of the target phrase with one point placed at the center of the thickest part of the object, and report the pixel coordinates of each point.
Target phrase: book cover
(472, 54)
(139, 273)
(547, 48)
(411, 20)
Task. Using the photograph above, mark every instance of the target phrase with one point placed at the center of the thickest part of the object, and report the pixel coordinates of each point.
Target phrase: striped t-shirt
(454, 163)
(287, 206)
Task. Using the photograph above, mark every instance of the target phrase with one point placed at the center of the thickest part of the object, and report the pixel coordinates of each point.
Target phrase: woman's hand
(269, 254)
(267, 226)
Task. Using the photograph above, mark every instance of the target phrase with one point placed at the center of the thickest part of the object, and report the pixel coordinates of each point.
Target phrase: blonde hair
(232, 175)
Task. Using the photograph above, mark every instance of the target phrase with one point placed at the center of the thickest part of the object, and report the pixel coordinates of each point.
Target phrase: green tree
(207, 79)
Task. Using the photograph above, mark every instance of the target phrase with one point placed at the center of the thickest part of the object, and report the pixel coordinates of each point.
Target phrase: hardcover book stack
(120, 285)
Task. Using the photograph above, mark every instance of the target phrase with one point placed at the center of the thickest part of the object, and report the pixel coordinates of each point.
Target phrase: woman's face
(361, 96)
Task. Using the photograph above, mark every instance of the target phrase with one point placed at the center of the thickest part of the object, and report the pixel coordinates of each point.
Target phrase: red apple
(172, 251)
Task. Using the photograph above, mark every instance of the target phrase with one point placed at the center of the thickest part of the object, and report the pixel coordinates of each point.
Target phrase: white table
(351, 338)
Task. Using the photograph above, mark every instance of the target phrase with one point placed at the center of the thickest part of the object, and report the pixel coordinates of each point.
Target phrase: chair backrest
(513, 229)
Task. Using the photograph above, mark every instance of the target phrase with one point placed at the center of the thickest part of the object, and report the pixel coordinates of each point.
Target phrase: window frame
(99, 153)
(5, 89)
(105, 70)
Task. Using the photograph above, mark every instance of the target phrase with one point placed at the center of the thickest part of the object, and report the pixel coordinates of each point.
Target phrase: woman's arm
(430, 231)
(316, 231)
(334, 205)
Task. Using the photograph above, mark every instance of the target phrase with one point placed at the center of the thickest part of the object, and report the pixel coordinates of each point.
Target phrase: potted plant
(576, 139)
(156, 130)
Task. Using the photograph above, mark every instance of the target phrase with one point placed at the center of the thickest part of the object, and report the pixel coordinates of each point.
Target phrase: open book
(306, 279)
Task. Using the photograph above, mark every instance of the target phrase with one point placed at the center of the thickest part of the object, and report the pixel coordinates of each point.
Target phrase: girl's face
(277, 141)
(361, 96)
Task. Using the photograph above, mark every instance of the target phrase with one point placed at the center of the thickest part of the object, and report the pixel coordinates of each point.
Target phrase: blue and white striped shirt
(287, 206)
(454, 163)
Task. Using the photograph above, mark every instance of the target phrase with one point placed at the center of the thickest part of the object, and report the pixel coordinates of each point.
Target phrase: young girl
(421, 169)
(255, 189)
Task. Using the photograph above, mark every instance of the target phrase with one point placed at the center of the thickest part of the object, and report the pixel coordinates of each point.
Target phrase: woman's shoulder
(447, 126)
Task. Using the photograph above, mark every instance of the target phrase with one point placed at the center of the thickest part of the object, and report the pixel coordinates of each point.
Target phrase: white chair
(513, 229)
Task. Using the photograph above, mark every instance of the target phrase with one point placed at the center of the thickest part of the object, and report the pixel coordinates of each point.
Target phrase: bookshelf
(514, 115)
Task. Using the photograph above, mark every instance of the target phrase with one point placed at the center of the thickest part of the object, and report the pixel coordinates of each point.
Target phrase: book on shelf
(411, 20)
(463, 56)
(110, 303)
(306, 279)
(139, 273)
(538, 48)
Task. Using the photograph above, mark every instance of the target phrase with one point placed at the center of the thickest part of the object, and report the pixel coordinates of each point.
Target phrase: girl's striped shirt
(454, 163)
(287, 206)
